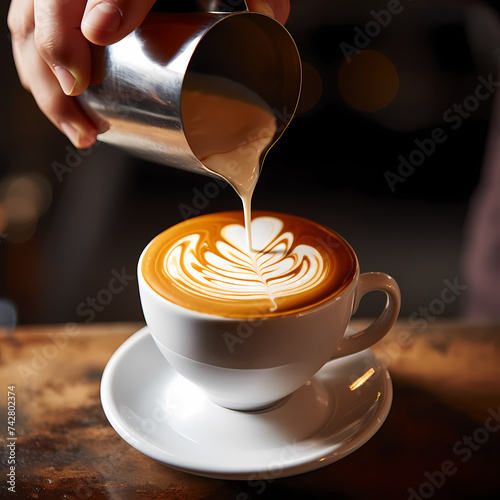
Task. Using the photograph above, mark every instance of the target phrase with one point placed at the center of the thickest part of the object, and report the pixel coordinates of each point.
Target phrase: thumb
(108, 21)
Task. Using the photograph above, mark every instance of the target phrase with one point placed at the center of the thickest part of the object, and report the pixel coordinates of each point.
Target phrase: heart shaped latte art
(225, 270)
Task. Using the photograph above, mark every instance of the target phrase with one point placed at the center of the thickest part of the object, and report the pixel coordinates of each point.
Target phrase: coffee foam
(203, 264)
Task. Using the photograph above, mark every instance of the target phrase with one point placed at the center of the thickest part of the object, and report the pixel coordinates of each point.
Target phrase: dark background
(64, 239)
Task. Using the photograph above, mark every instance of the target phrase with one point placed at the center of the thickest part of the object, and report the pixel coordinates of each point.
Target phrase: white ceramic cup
(251, 364)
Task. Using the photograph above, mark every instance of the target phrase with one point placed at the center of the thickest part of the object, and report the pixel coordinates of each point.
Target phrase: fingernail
(66, 79)
(103, 17)
(77, 136)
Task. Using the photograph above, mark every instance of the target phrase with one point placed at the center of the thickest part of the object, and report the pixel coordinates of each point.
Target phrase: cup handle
(358, 341)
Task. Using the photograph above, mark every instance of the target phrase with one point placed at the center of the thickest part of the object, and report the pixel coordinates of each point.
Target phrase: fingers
(61, 44)
(21, 23)
(63, 111)
(42, 54)
(53, 56)
(108, 21)
(279, 9)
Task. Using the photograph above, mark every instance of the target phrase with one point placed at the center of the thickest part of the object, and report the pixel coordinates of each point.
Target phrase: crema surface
(203, 264)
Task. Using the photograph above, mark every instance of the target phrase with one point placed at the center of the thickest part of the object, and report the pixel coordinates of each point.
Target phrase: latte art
(225, 272)
(204, 264)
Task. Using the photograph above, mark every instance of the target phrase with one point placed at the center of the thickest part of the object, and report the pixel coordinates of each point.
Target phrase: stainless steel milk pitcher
(144, 74)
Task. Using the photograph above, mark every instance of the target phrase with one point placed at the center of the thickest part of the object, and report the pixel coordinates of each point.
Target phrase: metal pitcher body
(144, 76)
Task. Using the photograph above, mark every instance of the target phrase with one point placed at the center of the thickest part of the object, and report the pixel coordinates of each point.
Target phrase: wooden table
(440, 440)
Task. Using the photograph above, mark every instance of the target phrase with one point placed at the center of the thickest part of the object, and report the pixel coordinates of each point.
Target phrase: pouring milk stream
(229, 128)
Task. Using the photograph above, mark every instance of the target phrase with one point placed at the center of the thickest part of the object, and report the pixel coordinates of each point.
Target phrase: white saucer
(167, 418)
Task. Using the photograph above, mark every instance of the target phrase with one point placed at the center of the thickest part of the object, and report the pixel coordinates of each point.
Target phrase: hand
(53, 42)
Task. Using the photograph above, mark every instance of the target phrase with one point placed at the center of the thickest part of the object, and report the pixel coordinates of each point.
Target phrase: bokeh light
(24, 198)
(312, 88)
(369, 82)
